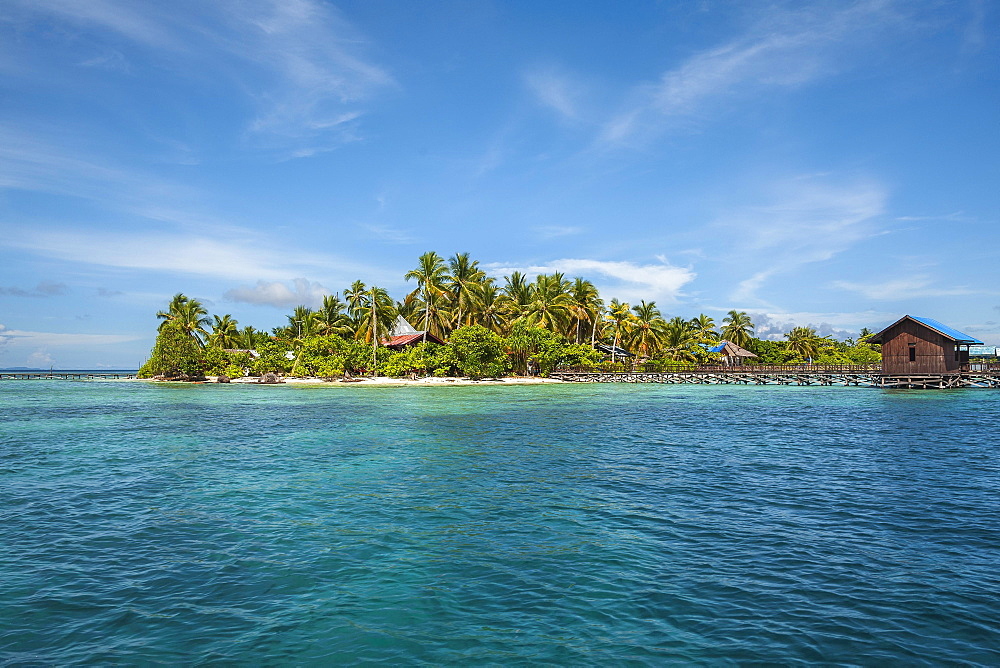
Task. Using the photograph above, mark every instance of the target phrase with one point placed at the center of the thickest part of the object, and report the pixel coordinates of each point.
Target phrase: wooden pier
(65, 375)
(762, 375)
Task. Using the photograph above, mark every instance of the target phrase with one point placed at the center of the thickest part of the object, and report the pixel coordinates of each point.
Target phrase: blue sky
(831, 164)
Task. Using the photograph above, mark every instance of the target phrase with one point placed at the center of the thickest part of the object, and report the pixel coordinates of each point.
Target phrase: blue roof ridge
(950, 332)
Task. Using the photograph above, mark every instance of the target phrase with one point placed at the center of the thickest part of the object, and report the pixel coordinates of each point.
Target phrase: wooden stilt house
(914, 345)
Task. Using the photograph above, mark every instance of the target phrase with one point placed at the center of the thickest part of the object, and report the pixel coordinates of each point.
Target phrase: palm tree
(300, 322)
(704, 328)
(490, 311)
(355, 298)
(805, 342)
(516, 295)
(224, 332)
(249, 338)
(173, 308)
(620, 315)
(584, 305)
(550, 303)
(430, 276)
(382, 315)
(738, 328)
(463, 278)
(331, 319)
(647, 329)
(679, 339)
(189, 314)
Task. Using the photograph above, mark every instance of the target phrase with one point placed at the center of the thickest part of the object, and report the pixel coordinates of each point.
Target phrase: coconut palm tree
(354, 296)
(249, 338)
(189, 314)
(490, 312)
(738, 328)
(430, 275)
(377, 315)
(805, 342)
(647, 332)
(704, 328)
(224, 331)
(679, 339)
(550, 303)
(301, 323)
(620, 318)
(461, 282)
(584, 306)
(516, 295)
(332, 319)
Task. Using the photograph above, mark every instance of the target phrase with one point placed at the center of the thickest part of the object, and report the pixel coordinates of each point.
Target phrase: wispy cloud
(43, 289)
(30, 161)
(244, 256)
(45, 339)
(389, 234)
(785, 49)
(298, 62)
(555, 91)
(556, 231)
(279, 294)
(903, 288)
(807, 222)
(628, 280)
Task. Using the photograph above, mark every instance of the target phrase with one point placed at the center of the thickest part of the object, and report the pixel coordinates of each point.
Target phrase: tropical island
(474, 327)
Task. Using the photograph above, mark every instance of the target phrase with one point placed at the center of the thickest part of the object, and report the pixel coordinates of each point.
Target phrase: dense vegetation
(492, 329)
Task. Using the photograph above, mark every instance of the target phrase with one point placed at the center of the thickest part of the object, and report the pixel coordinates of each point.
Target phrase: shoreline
(380, 381)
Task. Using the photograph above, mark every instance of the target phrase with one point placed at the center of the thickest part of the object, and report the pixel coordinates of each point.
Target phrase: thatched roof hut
(732, 354)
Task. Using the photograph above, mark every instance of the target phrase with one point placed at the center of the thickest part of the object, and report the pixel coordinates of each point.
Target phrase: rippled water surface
(566, 524)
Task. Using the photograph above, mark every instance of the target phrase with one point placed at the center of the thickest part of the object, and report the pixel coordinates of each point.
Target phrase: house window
(913, 352)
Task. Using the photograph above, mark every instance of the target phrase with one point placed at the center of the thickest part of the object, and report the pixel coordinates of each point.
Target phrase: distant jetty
(66, 375)
(988, 377)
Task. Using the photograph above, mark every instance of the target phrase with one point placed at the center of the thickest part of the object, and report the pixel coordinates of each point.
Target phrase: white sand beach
(404, 382)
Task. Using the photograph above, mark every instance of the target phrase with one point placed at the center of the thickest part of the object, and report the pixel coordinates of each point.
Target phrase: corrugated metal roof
(407, 339)
(958, 336)
(953, 334)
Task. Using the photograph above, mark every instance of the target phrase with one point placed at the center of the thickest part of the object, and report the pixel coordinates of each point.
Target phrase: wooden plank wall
(935, 353)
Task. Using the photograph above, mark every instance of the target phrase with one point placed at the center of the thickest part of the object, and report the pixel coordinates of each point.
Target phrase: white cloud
(296, 61)
(807, 222)
(784, 50)
(555, 91)
(555, 231)
(390, 234)
(29, 162)
(276, 293)
(902, 288)
(626, 280)
(45, 339)
(242, 255)
(40, 358)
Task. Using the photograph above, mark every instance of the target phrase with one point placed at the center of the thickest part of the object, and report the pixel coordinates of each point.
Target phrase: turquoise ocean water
(567, 524)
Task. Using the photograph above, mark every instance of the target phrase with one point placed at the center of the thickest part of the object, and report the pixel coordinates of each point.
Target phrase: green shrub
(175, 355)
(479, 352)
